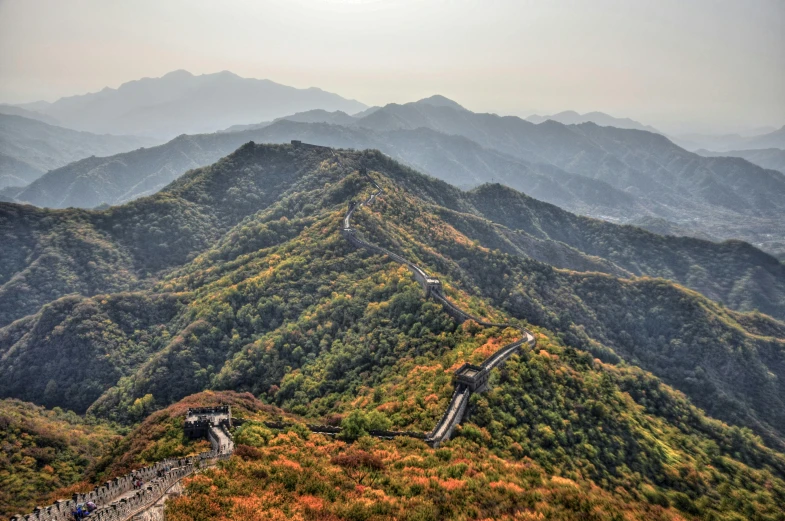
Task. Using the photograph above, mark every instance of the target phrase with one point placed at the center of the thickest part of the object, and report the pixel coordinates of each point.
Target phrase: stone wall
(433, 288)
(117, 500)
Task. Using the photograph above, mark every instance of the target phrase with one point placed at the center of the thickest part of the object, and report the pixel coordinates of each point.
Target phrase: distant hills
(180, 102)
(570, 117)
(772, 158)
(337, 117)
(29, 148)
(723, 197)
(621, 175)
(728, 142)
(13, 110)
(123, 177)
(763, 138)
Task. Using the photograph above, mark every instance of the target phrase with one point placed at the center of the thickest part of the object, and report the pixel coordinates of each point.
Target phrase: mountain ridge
(571, 117)
(769, 158)
(713, 193)
(140, 252)
(29, 148)
(180, 102)
(626, 176)
(622, 394)
(575, 244)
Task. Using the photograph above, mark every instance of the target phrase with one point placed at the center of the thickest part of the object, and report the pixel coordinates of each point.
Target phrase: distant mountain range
(723, 197)
(570, 117)
(180, 102)
(773, 158)
(765, 138)
(337, 117)
(729, 142)
(112, 180)
(616, 174)
(29, 148)
(13, 110)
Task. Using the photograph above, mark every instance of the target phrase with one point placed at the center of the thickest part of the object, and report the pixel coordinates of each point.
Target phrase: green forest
(643, 399)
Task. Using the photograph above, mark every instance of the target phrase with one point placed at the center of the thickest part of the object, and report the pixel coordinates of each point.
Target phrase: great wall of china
(468, 378)
(118, 500)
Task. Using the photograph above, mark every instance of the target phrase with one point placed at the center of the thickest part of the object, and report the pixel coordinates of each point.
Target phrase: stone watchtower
(474, 377)
(199, 420)
(432, 285)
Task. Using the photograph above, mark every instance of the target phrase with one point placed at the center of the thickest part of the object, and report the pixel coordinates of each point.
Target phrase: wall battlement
(118, 500)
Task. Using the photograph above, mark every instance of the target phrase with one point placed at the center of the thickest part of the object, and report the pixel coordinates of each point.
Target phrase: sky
(697, 65)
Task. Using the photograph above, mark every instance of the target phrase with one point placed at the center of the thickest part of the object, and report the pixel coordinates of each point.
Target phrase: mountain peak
(223, 74)
(437, 100)
(179, 73)
(570, 113)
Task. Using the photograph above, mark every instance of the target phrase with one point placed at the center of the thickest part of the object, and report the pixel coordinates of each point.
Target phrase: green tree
(355, 425)
(254, 434)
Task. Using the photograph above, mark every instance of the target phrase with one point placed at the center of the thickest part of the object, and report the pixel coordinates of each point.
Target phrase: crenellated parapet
(119, 500)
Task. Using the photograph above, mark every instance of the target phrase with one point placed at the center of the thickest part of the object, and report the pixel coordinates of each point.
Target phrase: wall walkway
(118, 500)
(433, 288)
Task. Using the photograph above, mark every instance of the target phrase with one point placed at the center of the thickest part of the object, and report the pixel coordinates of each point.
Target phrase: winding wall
(456, 409)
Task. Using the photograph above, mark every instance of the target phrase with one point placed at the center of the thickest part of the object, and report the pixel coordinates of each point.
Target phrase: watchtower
(474, 377)
(199, 419)
(432, 285)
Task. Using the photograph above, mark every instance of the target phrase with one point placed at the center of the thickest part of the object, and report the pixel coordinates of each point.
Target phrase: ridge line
(469, 378)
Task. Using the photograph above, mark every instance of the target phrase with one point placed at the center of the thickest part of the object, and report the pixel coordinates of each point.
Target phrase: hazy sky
(719, 64)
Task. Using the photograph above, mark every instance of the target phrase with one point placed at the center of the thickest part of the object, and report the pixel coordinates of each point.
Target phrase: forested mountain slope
(732, 272)
(44, 451)
(53, 253)
(742, 277)
(271, 299)
(29, 148)
(267, 296)
(697, 470)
